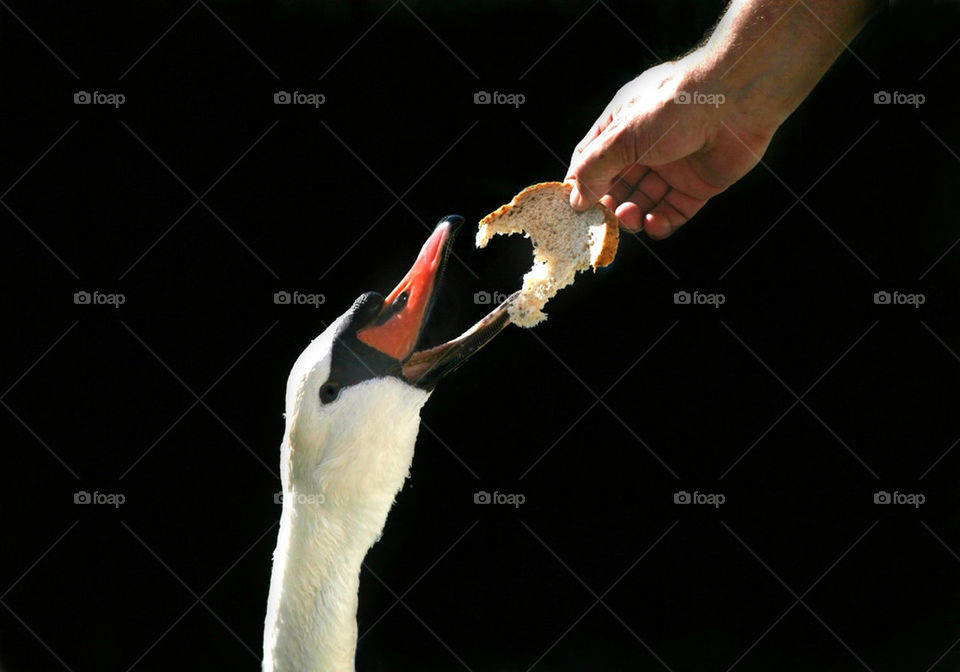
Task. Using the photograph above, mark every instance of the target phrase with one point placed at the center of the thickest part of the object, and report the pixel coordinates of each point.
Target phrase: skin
(655, 162)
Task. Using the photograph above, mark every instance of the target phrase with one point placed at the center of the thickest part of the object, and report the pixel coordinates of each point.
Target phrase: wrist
(748, 98)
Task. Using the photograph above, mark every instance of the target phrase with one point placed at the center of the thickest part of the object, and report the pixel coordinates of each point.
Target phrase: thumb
(595, 169)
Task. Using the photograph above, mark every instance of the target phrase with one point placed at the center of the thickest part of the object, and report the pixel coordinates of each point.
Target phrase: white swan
(352, 414)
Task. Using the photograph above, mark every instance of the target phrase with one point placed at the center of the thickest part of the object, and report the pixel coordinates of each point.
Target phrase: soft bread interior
(564, 242)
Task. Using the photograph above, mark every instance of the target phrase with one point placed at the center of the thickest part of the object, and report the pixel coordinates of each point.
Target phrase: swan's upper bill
(352, 415)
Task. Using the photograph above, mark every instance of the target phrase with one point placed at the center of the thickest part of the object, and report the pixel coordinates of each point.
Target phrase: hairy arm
(685, 130)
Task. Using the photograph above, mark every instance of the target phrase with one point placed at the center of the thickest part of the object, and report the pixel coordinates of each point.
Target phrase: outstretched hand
(668, 141)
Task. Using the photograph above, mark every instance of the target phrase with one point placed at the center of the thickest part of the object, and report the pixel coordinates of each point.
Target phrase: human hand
(655, 161)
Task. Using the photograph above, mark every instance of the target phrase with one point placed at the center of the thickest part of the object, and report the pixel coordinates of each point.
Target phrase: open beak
(406, 309)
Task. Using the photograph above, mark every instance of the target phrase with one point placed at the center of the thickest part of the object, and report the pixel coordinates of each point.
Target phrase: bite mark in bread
(564, 242)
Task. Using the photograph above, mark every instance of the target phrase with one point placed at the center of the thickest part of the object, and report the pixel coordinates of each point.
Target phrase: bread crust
(611, 237)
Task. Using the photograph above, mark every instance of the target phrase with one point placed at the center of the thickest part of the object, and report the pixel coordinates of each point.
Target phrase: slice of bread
(564, 242)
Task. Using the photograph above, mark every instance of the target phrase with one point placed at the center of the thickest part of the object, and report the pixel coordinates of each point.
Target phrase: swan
(352, 412)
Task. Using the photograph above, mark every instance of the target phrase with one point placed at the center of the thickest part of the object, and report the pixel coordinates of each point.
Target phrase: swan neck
(312, 608)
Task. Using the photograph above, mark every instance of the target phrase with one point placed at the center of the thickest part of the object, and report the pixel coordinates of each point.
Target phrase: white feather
(342, 465)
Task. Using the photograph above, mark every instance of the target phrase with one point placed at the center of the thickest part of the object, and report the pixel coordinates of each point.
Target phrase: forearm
(767, 55)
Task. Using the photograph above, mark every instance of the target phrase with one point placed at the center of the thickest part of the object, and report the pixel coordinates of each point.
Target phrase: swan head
(354, 395)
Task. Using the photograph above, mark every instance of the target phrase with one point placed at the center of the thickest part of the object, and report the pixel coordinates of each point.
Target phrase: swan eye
(329, 392)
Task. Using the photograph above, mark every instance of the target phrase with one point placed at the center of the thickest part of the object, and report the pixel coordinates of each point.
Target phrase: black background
(693, 398)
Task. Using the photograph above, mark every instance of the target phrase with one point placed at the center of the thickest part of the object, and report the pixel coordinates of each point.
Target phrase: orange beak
(397, 329)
